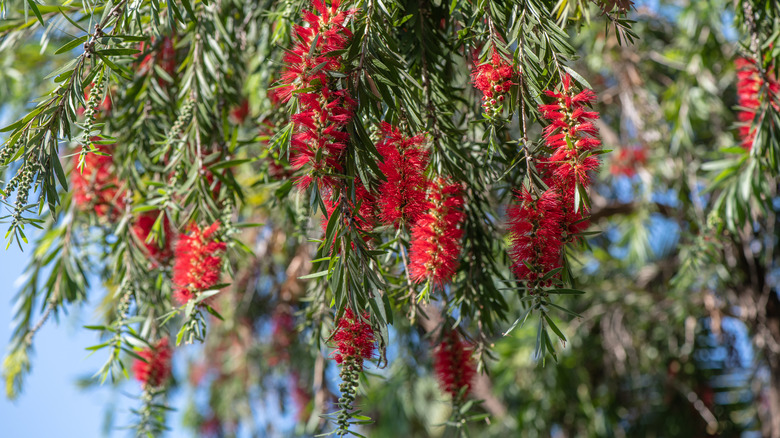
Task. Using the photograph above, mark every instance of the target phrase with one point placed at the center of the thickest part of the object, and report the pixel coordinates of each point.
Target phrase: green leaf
(572, 313)
(35, 10)
(563, 291)
(117, 52)
(72, 44)
(554, 327)
(188, 8)
(249, 225)
(231, 163)
(207, 294)
(97, 347)
(60, 173)
(116, 68)
(67, 17)
(180, 335)
(314, 275)
(214, 312)
(577, 77)
(520, 321)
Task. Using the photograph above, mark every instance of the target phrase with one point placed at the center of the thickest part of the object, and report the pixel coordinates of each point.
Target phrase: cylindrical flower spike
(354, 339)
(160, 249)
(324, 111)
(156, 369)
(96, 186)
(494, 79)
(535, 233)
(320, 142)
(542, 222)
(573, 137)
(436, 236)
(198, 262)
(402, 196)
(355, 343)
(750, 96)
(453, 365)
(312, 55)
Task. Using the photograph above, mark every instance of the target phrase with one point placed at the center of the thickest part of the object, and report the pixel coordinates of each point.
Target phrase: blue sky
(52, 405)
(59, 359)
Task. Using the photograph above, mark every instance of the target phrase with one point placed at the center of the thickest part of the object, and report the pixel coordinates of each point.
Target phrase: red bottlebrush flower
(311, 57)
(157, 367)
(239, 114)
(282, 336)
(96, 186)
(360, 219)
(570, 119)
(198, 262)
(573, 137)
(750, 96)
(142, 227)
(535, 233)
(354, 339)
(402, 196)
(494, 79)
(320, 141)
(436, 236)
(627, 160)
(164, 55)
(540, 224)
(167, 58)
(211, 427)
(453, 365)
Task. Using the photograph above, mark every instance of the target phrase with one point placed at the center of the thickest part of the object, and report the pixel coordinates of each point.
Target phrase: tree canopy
(422, 218)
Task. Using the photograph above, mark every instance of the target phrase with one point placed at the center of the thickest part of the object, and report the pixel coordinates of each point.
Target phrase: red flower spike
(540, 224)
(320, 142)
(354, 339)
(535, 233)
(163, 54)
(159, 251)
(198, 262)
(402, 196)
(96, 186)
(282, 336)
(453, 365)
(364, 218)
(436, 236)
(311, 57)
(157, 368)
(239, 114)
(627, 161)
(494, 79)
(749, 95)
(572, 136)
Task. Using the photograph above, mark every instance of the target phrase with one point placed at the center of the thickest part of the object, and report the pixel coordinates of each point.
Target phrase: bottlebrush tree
(342, 201)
